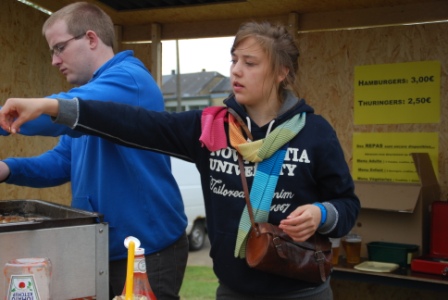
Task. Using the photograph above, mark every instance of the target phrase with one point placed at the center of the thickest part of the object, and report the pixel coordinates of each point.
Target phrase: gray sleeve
(332, 218)
(68, 112)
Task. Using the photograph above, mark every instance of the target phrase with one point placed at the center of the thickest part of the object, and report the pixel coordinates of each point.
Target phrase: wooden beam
(194, 30)
(156, 53)
(427, 12)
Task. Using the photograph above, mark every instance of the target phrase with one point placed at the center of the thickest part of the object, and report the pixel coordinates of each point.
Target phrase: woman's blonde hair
(280, 47)
(81, 17)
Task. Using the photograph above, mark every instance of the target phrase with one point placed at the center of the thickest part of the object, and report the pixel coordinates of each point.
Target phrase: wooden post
(293, 24)
(156, 53)
(118, 38)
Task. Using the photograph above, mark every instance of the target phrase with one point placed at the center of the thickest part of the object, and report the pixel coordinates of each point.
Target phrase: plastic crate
(400, 254)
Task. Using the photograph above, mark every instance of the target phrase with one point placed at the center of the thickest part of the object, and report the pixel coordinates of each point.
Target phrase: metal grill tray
(45, 214)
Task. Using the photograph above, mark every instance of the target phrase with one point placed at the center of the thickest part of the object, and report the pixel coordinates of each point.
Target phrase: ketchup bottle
(142, 288)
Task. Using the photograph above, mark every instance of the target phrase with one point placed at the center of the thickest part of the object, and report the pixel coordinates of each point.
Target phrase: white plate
(376, 266)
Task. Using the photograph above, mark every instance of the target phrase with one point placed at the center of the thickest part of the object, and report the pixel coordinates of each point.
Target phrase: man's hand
(17, 111)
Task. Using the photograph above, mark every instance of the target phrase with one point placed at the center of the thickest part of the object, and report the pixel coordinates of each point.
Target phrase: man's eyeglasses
(60, 47)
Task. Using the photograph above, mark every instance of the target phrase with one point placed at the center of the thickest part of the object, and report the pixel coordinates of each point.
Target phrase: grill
(75, 241)
(41, 214)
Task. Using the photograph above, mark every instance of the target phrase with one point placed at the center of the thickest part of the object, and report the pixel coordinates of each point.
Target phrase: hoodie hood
(291, 107)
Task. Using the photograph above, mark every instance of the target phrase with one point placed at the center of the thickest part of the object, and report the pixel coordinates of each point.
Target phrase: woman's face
(251, 81)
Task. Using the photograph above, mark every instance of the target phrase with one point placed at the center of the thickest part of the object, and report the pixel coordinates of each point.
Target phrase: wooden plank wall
(26, 71)
(326, 74)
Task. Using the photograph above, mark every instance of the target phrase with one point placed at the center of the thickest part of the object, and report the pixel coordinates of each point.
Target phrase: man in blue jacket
(133, 189)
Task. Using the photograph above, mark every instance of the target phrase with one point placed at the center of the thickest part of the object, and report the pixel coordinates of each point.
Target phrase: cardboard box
(398, 213)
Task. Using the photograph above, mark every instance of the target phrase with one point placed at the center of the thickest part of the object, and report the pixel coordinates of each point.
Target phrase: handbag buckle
(276, 241)
(319, 256)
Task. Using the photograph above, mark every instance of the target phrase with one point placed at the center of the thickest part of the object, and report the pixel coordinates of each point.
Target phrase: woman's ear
(284, 71)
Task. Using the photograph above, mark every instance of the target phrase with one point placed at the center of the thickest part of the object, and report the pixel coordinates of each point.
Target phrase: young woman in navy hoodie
(313, 189)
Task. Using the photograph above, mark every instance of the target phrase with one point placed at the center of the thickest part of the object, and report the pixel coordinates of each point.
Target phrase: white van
(188, 179)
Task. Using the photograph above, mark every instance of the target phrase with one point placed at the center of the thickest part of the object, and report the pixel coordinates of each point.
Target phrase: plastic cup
(352, 248)
(335, 243)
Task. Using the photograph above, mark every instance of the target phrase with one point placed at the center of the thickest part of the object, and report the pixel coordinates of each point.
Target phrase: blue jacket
(133, 189)
(314, 170)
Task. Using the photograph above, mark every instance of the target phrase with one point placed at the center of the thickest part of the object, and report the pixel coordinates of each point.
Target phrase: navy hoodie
(314, 170)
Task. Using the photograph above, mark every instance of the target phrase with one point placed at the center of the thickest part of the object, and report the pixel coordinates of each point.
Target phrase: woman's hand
(302, 222)
(17, 111)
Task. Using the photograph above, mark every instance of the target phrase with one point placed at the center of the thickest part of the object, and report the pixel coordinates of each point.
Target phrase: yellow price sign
(387, 156)
(397, 93)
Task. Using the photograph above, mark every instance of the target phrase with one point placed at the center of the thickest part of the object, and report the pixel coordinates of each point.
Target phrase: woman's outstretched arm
(17, 111)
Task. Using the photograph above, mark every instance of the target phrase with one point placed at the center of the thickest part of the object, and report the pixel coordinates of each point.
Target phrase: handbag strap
(241, 164)
(320, 258)
(246, 191)
(241, 122)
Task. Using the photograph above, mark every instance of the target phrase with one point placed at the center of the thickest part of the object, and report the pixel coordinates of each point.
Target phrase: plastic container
(400, 254)
(28, 278)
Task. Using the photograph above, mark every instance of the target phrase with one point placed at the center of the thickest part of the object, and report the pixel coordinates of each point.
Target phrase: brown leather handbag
(271, 250)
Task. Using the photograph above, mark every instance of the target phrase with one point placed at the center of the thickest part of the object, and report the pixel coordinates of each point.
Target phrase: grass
(199, 283)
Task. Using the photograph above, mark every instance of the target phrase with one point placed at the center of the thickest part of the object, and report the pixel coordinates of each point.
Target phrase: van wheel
(196, 238)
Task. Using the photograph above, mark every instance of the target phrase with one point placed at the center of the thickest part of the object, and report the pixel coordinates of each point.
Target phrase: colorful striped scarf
(270, 153)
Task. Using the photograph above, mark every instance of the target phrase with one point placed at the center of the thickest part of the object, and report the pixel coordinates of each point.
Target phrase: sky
(211, 54)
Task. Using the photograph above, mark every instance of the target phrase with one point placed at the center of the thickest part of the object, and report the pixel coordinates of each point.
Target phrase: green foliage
(199, 283)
